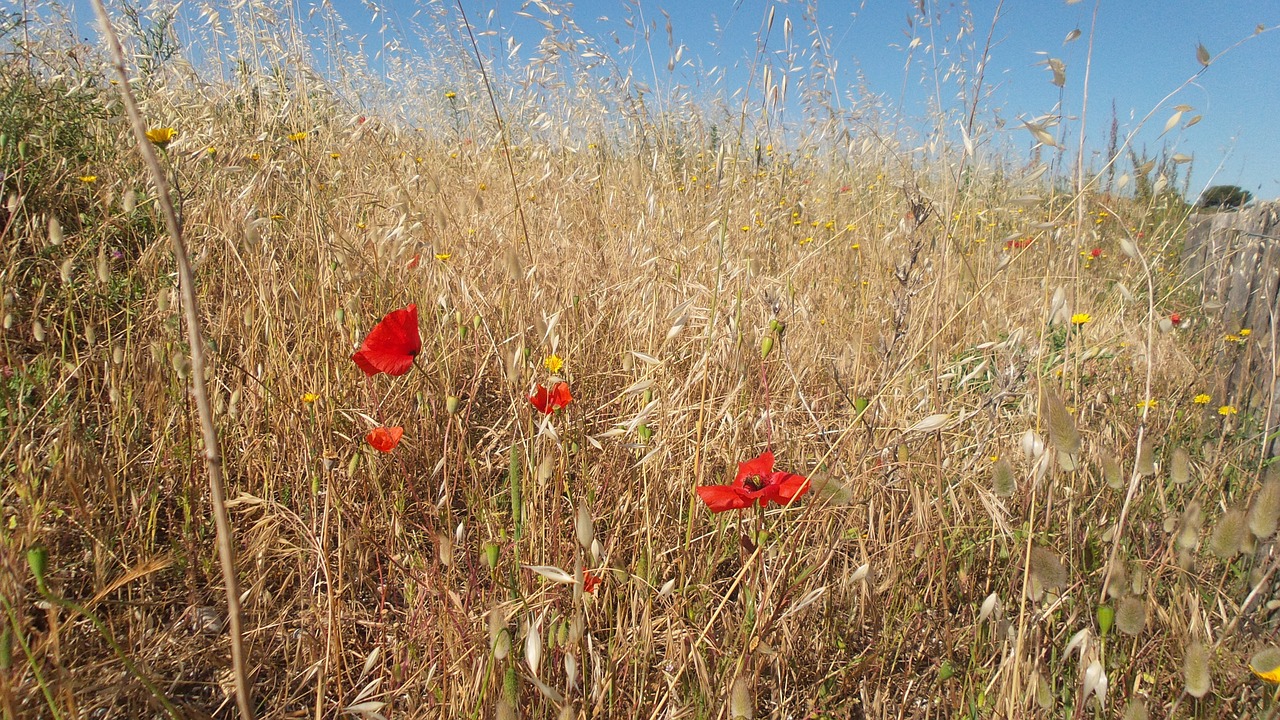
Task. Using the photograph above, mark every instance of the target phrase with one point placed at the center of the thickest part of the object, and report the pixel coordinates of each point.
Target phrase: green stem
(31, 660)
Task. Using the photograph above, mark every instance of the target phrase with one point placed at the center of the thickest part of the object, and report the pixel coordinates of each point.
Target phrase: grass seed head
(1131, 616)
(1003, 482)
(1264, 513)
(1228, 535)
(1062, 427)
(1136, 710)
(1189, 526)
(741, 704)
(1047, 571)
(499, 633)
(1195, 670)
(1146, 459)
(1180, 467)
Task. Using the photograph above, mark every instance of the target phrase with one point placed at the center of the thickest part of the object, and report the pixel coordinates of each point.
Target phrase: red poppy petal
(385, 439)
(560, 395)
(787, 487)
(541, 400)
(392, 344)
(725, 497)
(364, 364)
(589, 582)
(761, 466)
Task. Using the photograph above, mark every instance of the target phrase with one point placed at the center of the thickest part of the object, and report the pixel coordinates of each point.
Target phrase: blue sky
(1142, 51)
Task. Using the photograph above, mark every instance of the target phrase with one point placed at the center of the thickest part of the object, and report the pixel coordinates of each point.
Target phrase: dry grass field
(1026, 494)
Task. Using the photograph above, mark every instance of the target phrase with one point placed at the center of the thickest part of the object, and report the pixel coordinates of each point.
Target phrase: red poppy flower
(548, 401)
(385, 439)
(414, 262)
(1095, 253)
(391, 345)
(756, 482)
(1176, 319)
(589, 582)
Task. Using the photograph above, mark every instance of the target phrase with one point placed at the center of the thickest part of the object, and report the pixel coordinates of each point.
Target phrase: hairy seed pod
(1062, 427)
(1195, 670)
(1228, 534)
(1003, 482)
(1131, 617)
(1264, 513)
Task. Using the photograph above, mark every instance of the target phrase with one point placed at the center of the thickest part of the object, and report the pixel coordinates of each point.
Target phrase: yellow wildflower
(449, 94)
(335, 155)
(1226, 410)
(1080, 319)
(1200, 399)
(297, 136)
(553, 363)
(1147, 404)
(161, 136)
(443, 257)
(88, 179)
(1244, 332)
(255, 157)
(309, 398)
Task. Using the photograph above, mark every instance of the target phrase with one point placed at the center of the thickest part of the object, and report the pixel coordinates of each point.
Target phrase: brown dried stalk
(186, 287)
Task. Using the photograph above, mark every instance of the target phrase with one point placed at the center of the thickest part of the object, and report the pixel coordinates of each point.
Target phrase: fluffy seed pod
(1003, 482)
(1264, 513)
(741, 704)
(1180, 467)
(1189, 527)
(1062, 427)
(1136, 710)
(1146, 459)
(1195, 670)
(1131, 616)
(499, 634)
(1047, 572)
(1228, 534)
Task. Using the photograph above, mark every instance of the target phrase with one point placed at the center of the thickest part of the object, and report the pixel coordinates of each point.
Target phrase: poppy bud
(38, 560)
(491, 555)
(1106, 616)
(451, 404)
(766, 346)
